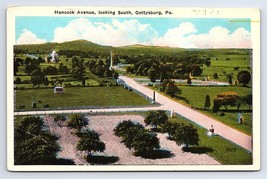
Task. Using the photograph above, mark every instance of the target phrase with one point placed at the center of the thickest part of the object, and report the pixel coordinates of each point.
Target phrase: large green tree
(37, 77)
(124, 126)
(78, 68)
(90, 142)
(170, 128)
(63, 69)
(186, 135)
(171, 89)
(244, 77)
(156, 118)
(207, 102)
(33, 145)
(248, 100)
(227, 99)
(135, 136)
(145, 142)
(152, 74)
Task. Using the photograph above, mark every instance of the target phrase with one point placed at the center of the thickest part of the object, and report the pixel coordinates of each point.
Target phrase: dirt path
(67, 141)
(104, 125)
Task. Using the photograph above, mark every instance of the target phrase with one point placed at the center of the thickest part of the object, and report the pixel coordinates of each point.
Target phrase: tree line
(156, 69)
(39, 75)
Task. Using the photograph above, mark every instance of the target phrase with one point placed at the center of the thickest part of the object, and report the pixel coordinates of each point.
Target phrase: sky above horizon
(172, 32)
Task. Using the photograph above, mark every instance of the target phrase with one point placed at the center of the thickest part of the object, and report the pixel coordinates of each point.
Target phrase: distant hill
(76, 45)
(86, 48)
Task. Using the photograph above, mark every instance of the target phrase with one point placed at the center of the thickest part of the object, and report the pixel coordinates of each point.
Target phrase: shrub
(215, 76)
(208, 63)
(221, 114)
(60, 118)
(216, 105)
(227, 99)
(22, 106)
(77, 121)
(46, 105)
(17, 81)
(189, 82)
(207, 102)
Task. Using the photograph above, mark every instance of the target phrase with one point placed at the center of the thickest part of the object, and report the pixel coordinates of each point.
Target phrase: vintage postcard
(133, 89)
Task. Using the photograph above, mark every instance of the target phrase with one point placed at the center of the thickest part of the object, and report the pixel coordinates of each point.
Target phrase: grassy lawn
(196, 95)
(222, 150)
(80, 96)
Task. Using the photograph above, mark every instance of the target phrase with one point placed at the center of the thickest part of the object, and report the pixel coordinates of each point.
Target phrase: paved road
(102, 110)
(204, 121)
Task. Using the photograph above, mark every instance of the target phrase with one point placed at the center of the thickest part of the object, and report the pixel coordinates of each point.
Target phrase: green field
(80, 97)
(222, 150)
(223, 67)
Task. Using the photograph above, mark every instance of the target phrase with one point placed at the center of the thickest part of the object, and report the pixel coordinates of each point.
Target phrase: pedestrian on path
(211, 131)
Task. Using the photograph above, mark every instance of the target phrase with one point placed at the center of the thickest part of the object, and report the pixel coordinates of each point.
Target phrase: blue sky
(182, 32)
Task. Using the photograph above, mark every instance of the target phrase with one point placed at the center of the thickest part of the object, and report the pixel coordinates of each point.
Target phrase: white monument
(54, 56)
(111, 61)
(58, 89)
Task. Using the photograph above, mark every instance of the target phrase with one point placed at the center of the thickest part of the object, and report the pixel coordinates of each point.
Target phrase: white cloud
(27, 37)
(177, 37)
(220, 37)
(115, 34)
(132, 31)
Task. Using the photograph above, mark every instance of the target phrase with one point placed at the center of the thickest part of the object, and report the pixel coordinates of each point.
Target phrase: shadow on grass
(197, 150)
(101, 160)
(156, 154)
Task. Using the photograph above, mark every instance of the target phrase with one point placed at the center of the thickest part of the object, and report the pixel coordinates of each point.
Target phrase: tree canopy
(33, 145)
(135, 136)
(90, 142)
(187, 135)
(156, 118)
(227, 99)
(244, 77)
(77, 121)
